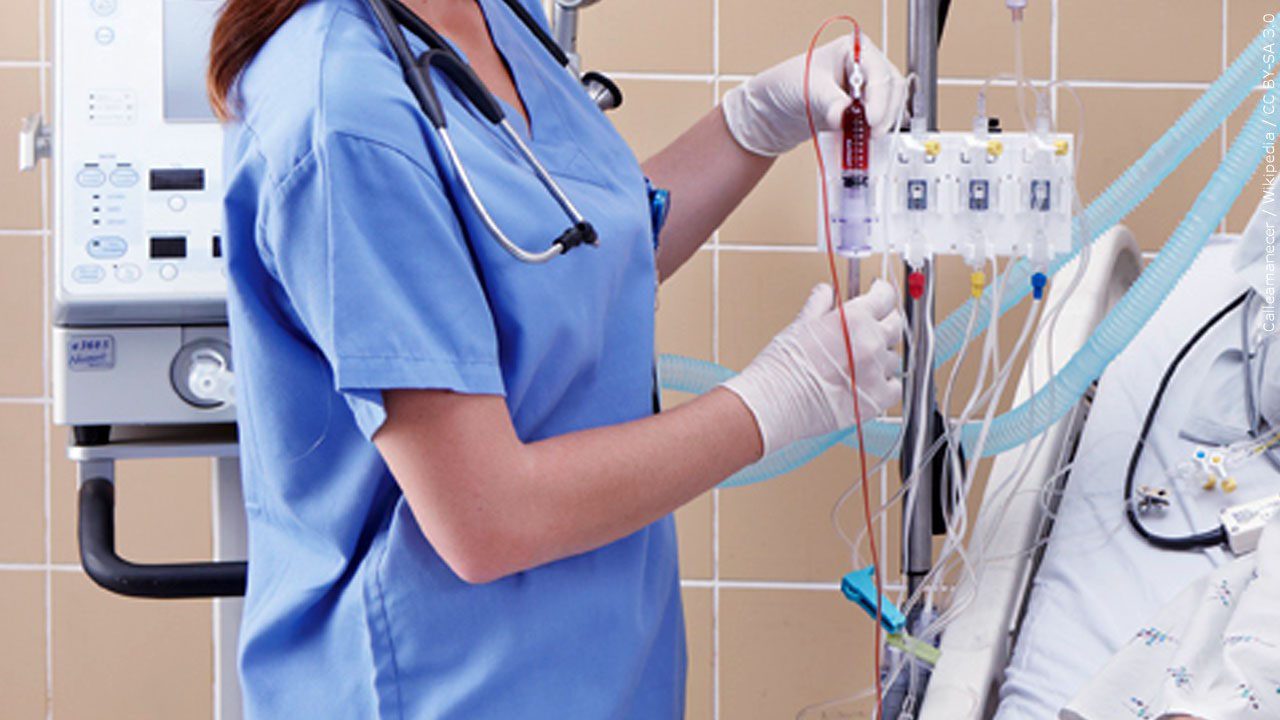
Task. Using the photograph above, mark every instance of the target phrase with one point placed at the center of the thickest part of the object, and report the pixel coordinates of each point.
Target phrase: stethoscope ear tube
(464, 79)
(419, 83)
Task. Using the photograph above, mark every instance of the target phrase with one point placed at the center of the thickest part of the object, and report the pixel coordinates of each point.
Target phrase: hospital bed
(1067, 582)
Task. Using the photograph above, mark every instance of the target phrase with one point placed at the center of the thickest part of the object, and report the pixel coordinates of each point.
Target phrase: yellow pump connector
(932, 148)
(995, 148)
(1061, 148)
(977, 283)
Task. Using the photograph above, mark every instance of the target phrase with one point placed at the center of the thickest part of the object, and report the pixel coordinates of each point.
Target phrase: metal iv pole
(920, 431)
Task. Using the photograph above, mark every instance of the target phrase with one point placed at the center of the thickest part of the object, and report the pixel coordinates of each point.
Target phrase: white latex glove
(766, 114)
(798, 387)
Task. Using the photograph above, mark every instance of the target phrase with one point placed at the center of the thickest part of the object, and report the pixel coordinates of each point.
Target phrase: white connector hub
(1244, 523)
(960, 193)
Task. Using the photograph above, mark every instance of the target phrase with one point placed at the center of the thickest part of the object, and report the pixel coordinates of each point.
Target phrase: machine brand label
(91, 352)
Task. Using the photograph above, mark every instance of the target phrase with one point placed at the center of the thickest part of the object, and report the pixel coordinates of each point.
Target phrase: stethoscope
(392, 15)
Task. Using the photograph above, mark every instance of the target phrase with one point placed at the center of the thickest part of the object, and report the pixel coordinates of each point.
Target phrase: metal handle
(35, 142)
(170, 580)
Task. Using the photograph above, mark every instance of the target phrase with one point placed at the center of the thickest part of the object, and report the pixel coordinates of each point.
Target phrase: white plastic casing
(116, 123)
(1244, 523)
(954, 193)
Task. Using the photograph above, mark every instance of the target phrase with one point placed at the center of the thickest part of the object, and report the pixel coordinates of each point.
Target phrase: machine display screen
(188, 27)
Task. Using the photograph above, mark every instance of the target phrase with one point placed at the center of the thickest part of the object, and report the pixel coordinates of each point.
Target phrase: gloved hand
(766, 114)
(798, 387)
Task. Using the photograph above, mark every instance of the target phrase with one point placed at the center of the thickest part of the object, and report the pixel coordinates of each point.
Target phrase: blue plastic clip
(1038, 281)
(659, 209)
(860, 587)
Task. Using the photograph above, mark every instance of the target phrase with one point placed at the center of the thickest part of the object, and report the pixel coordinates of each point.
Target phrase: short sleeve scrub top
(352, 273)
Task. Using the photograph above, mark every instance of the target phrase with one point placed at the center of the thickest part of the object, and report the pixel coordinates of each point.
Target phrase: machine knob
(202, 375)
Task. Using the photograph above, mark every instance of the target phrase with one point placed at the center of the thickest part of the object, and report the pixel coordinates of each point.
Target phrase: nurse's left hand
(766, 115)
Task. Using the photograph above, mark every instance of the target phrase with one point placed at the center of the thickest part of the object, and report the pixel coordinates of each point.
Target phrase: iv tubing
(1131, 188)
(695, 376)
(1059, 395)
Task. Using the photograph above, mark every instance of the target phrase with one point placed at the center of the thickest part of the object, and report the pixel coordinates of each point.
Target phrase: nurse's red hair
(244, 26)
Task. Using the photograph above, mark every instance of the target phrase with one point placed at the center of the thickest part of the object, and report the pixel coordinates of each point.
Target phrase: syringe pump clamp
(859, 586)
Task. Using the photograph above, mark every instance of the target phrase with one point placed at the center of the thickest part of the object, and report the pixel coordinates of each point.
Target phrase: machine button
(103, 7)
(124, 177)
(128, 273)
(88, 274)
(177, 203)
(91, 177)
(104, 35)
(107, 247)
(168, 271)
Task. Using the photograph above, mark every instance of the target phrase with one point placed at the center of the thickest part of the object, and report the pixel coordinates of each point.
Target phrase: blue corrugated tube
(1122, 323)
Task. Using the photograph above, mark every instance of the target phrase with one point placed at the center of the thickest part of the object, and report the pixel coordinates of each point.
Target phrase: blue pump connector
(1038, 281)
(859, 586)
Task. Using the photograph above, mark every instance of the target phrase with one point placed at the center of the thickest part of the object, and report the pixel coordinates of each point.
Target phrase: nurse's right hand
(799, 386)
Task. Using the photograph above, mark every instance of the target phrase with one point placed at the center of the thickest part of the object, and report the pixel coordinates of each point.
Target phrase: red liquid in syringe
(854, 214)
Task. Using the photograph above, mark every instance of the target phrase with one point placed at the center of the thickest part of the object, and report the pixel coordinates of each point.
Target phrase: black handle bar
(169, 580)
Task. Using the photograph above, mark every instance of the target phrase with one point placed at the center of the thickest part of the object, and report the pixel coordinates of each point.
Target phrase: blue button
(88, 274)
(124, 177)
(91, 177)
(107, 247)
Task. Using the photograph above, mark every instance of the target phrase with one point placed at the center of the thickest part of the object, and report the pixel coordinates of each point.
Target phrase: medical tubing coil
(1123, 322)
(1111, 337)
(1128, 191)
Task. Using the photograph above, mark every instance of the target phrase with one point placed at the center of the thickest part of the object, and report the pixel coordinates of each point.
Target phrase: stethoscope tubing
(391, 15)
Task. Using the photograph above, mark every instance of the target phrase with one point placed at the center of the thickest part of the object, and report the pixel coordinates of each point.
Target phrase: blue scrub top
(352, 272)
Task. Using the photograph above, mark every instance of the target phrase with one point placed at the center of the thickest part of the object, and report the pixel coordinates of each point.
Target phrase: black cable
(1208, 538)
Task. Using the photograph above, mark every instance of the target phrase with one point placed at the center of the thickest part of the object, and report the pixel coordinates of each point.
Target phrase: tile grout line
(24, 64)
(42, 26)
(1224, 132)
(715, 354)
(950, 81)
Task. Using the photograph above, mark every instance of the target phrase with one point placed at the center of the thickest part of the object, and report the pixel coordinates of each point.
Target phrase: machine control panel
(138, 229)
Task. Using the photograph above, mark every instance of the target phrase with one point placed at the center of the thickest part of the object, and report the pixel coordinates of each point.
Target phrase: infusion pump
(140, 333)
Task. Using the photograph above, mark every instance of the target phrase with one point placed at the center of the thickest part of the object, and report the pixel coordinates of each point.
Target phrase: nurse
(458, 491)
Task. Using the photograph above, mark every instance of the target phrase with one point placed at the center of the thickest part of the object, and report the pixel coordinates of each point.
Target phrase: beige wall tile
(755, 35)
(22, 663)
(22, 513)
(19, 192)
(1248, 201)
(760, 294)
(20, 30)
(1244, 22)
(684, 309)
(163, 508)
(1133, 40)
(115, 657)
(782, 529)
(655, 113)
(648, 35)
(22, 297)
(1122, 124)
(978, 41)
(782, 210)
(693, 524)
(782, 651)
(699, 634)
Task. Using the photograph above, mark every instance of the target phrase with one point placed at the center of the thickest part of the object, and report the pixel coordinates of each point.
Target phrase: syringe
(854, 213)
